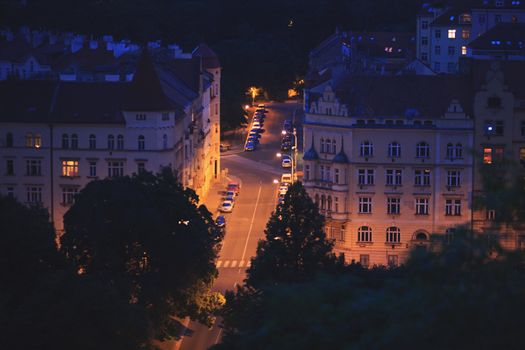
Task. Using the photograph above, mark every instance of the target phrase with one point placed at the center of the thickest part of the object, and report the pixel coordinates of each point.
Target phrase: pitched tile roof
(209, 57)
(503, 37)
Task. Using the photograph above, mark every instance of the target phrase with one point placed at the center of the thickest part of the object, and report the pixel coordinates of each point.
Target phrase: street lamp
(253, 92)
(275, 181)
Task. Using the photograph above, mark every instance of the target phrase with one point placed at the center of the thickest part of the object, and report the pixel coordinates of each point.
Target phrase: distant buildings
(57, 135)
(394, 157)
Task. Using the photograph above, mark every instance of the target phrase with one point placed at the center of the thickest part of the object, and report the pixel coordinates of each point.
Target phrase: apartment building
(388, 169)
(57, 136)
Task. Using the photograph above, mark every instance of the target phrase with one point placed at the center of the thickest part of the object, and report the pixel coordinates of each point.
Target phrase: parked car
(226, 206)
(250, 146)
(224, 148)
(253, 139)
(286, 162)
(287, 178)
(280, 199)
(230, 196)
(261, 106)
(220, 221)
(283, 190)
(235, 187)
(288, 125)
(286, 146)
(256, 125)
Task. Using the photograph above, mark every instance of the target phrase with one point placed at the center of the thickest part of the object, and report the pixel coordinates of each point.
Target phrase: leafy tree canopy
(146, 236)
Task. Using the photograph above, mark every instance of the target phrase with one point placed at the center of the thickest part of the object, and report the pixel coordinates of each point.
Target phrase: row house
(57, 136)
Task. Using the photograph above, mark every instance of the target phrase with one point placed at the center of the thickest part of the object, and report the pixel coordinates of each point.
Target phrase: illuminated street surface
(245, 226)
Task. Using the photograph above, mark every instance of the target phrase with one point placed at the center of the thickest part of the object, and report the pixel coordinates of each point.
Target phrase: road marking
(226, 263)
(218, 336)
(234, 263)
(219, 263)
(253, 219)
(241, 263)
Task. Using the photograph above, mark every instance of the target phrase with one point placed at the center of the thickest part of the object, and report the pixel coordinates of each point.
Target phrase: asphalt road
(245, 225)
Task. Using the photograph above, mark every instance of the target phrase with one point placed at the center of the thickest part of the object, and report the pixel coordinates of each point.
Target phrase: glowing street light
(275, 181)
(253, 92)
(279, 155)
(283, 132)
(247, 107)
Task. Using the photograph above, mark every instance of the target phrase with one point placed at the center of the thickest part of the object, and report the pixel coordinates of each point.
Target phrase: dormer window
(140, 116)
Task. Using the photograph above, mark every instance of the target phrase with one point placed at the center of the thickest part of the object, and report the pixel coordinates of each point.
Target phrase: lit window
(487, 155)
(38, 141)
(465, 34)
(452, 34)
(29, 140)
(70, 168)
(463, 50)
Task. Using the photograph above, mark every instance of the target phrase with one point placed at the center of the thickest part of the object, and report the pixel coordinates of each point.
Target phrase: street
(245, 225)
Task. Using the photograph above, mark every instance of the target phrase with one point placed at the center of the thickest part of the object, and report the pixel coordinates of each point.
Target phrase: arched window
(74, 141)
(323, 202)
(423, 150)
(459, 150)
(394, 150)
(9, 139)
(322, 144)
(366, 149)
(334, 146)
(165, 141)
(65, 141)
(111, 142)
(450, 151)
(92, 141)
(329, 203)
(364, 234)
(421, 236)
(393, 235)
(142, 143)
(120, 142)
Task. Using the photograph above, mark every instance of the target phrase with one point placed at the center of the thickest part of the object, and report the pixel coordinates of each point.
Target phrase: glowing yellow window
(452, 34)
(487, 155)
(463, 50)
(70, 168)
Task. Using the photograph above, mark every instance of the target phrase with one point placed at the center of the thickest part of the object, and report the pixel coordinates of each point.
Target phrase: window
(437, 66)
(497, 18)
(336, 204)
(365, 205)
(68, 195)
(9, 167)
(364, 234)
(142, 143)
(453, 178)
(453, 207)
(393, 177)
(424, 41)
(74, 141)
(111, 142)
(458, 151)
(463, 50)
(343, 232)
(323, 202)
(34, 194)
(329, 203)
(166, 116)
(393, 205)
(120, 142)
(29, 140)
(450, 151)
(38, 141)
(366, 149)
(140, 117)
(33, 167)
(328, 145)
(465, 33)
(437, 50)
(115, 168)
(449, 235)
(451, 50)
(364, 260)
(437, 34)
(92, 169)
(322, 145)
(141, 167)
(92, 141)
(394, 150)
(522, 156)
(165, 141)
(424, 58)
(481, 18)
(365, 176)
(452, 34)
(70, 168)
(334, 147)
(487, 155)
(9, 139)
(422, 177)
(424, 24)
(393, 260)
(421, 206)
(393, 235)
(10, 192)
(494, 102)
(307, 172)
(491, 214)
(423, 150)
